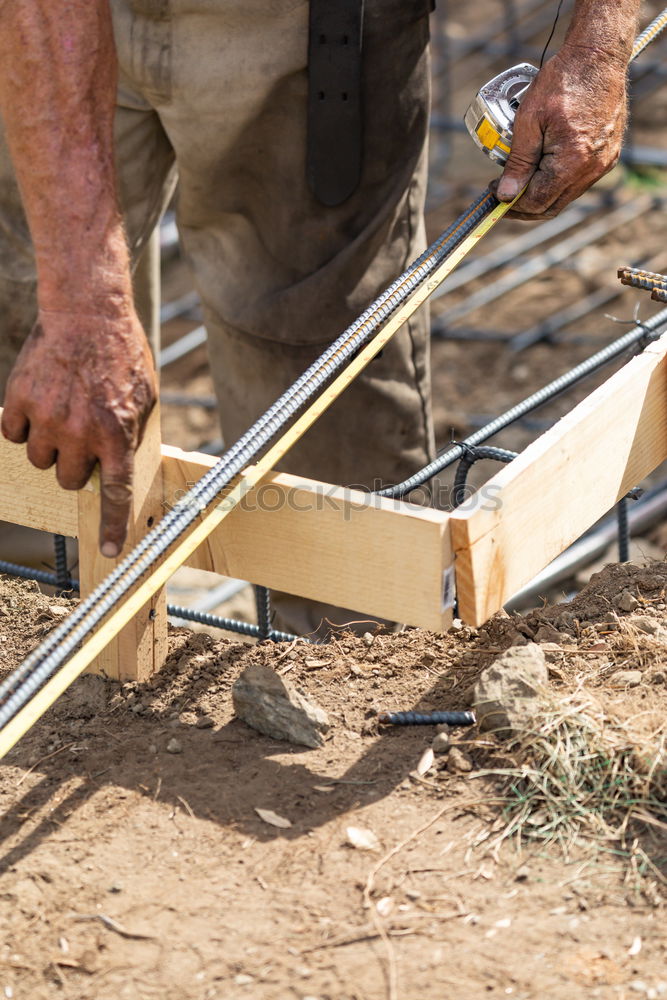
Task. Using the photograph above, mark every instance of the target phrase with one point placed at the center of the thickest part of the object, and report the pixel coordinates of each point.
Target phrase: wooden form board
(140, 648)
(373, 555)
(560, 485)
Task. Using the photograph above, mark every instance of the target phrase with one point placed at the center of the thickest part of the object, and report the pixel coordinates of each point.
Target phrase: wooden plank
(140, 648)
(359, 551)
(374, 555)
(561, 485)
(31, 497)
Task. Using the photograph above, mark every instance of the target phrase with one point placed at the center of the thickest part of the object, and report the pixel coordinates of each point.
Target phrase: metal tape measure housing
(490, 117)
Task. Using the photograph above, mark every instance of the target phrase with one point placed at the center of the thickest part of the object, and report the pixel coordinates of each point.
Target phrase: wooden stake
(140, 648)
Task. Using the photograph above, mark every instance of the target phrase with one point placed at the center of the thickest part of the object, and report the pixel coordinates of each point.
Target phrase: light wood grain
(140, 648)
(560, 485)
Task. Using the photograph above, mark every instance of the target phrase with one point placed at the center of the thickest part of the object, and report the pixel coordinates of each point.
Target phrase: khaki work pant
(214, 92)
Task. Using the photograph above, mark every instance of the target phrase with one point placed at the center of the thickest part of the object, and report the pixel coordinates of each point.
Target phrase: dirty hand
(81, 392)
(568, 131)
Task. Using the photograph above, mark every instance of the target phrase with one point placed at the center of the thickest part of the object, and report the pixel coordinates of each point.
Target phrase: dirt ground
(129, 870)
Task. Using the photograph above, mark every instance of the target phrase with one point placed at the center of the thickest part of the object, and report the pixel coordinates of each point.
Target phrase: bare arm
(569, 129)
(84, 382)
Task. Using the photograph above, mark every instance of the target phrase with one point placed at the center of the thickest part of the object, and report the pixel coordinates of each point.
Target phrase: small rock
(368, 639)
(273, 706)
(508, 693)
(174, 746)
(522, 874)
(603, 627)
(456, 625)
(243, 980)
(152, 748)
(552, 651)
(547, 633)
(648, 625)
(356, 670)
(58, 611)
(440, 743)
(116, 887)
(458, 762)
(204, 722)
(626, 601)
(442, 727)
(627, 678)
(518, 639)
(137, 708)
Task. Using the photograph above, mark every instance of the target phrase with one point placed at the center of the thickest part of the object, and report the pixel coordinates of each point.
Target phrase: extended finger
(116, 501)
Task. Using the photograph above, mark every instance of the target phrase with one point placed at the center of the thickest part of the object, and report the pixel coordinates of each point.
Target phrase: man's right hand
(80, 393)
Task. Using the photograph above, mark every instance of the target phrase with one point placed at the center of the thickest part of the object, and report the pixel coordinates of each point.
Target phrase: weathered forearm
(57, 96)
(604, 26)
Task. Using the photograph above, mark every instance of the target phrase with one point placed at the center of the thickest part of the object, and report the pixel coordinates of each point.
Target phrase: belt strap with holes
(335, 123)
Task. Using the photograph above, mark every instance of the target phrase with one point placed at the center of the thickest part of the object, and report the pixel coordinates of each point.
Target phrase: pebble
(152, 748)
(204, 722)
(368, 639)
(440, 743)
(522, 874)
(243, 980)
(174, 746)
(627, 678)
(626, 601)
(458, 762)
(648, 625)
(58, 610)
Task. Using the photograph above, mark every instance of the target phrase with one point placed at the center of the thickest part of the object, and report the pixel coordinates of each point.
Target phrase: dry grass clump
(581, 773)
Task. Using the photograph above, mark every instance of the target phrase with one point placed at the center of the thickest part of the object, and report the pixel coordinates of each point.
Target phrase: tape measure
(490, 117)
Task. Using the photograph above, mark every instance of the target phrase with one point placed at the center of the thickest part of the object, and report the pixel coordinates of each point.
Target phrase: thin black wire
(553, 29)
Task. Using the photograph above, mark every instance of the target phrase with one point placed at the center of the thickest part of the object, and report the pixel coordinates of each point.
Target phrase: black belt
(335, 121)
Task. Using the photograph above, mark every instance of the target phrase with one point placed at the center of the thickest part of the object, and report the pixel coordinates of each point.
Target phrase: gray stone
(440, 743)
(648, 625)
(627, 678)
(458, 762)
(626, 601)
(174, 746)
(273, 706)
(509, 692)
(204, 722)
(547, 633)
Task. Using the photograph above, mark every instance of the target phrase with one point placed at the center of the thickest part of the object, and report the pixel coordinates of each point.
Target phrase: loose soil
(131, 871)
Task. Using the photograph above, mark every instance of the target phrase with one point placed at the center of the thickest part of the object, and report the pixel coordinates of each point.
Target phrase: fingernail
(110, 550)
(508, 188)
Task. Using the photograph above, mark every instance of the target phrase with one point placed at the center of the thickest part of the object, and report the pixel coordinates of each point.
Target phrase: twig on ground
(41, 761)
(112, 925)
